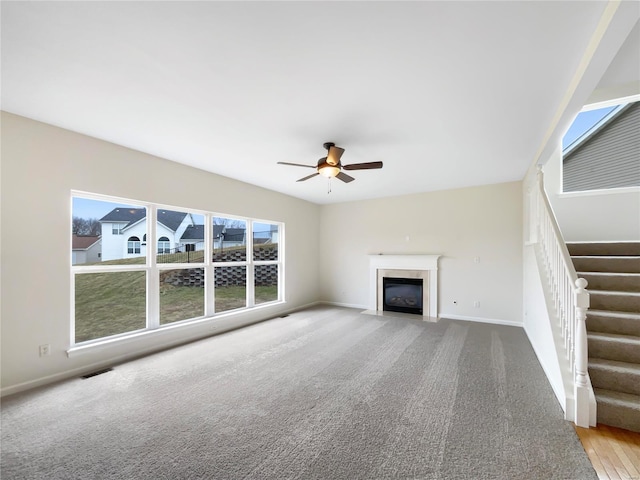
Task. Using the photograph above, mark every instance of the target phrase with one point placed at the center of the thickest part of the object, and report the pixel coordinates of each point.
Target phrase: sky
(583, 122)
(88, 208)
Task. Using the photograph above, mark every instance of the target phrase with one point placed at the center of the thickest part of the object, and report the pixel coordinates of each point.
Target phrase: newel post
(581, 386)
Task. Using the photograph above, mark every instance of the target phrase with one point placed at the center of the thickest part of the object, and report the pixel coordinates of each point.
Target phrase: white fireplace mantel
(428, 263)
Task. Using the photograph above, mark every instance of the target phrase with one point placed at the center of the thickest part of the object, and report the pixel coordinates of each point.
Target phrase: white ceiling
(446, 94)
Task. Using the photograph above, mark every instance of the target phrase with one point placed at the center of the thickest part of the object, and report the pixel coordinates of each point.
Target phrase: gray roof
(171, 219)
(196, 232)
(193, 232)
(168, 218)
(122, 215)
(234, 234)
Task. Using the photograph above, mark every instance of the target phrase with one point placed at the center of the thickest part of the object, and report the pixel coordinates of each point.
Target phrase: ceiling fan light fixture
(328, 170)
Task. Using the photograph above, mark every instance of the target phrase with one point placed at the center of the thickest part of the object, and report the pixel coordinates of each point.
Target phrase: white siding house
(124, 232)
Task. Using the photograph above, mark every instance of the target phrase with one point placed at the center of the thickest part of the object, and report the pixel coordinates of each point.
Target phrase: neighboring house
(192, 239)
(124, 233)
(232, 237)
(606, 156)
(222, 237)
(85, 249)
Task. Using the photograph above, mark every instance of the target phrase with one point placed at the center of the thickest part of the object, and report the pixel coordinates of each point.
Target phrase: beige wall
(462, 224)
(41, 164)
(326, 247)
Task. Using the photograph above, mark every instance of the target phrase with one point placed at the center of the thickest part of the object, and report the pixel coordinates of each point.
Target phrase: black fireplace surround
(402, 295)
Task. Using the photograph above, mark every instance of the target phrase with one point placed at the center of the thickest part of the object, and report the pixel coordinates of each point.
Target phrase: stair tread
(632, 339)
(611, 274)
(617, 398)
(614, 314)
(626, 367)
(614, 292)
(627, 257)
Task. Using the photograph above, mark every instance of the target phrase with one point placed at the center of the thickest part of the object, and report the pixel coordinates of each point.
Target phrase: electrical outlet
(45, 350)
(476, 304)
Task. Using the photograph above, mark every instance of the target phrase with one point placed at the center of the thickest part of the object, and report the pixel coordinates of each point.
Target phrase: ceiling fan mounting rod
(328, 145)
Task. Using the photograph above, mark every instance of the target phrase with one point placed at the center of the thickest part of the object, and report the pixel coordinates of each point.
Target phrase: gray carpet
(325, 393)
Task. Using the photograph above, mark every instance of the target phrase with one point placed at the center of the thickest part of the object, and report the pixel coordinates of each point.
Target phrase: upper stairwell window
(601, 150)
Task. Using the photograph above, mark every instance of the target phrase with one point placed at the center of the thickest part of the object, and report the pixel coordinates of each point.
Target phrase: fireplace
(402, 295)
(407, 272)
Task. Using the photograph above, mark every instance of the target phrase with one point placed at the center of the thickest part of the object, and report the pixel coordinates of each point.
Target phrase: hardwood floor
(614, 452)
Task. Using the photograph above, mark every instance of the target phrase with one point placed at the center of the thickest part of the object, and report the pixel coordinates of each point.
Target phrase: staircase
(613, 327)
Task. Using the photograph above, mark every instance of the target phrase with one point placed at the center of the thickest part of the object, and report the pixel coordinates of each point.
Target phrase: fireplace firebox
(402, 295)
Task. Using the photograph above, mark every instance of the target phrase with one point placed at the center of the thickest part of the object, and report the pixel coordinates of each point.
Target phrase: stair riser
(623, 248)
(614, 302)
(618, 416)
(611, 379)
(612, 265)
(611, 282)
(613, 350)
(619, 326)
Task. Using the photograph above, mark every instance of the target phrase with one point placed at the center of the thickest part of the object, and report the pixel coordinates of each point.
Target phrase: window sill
(215, 324)
(608, 191)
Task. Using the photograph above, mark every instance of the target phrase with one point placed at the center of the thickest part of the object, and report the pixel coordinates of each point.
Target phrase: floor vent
(98, 372)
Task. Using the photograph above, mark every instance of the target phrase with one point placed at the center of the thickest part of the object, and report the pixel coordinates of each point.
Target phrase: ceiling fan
(330, 165)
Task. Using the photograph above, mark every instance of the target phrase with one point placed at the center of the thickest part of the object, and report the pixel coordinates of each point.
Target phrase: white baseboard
(57, 377)
(166, 344)
(347, 305)
(496, 321)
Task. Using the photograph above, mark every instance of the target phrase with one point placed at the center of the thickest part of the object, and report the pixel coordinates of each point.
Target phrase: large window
(166, 278)
(601, 149)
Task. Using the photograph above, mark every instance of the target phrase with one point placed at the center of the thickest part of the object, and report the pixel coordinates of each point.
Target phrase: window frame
(153, 268)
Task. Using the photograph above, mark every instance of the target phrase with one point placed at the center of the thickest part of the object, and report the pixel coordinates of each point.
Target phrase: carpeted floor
(324, 393)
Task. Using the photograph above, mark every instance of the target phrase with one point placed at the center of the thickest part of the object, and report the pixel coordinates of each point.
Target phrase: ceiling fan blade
(363, 166)
(296, 164)
(308, 177)
(333, 157)
(344, 177)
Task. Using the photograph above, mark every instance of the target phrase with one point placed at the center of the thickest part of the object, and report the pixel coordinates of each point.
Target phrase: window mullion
(209, 273)
(251, 291)
(153, 274)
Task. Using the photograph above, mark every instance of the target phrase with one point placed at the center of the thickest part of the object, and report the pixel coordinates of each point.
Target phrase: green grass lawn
(115, 302)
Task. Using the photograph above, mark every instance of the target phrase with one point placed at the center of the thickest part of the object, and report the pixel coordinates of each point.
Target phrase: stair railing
(570, 299)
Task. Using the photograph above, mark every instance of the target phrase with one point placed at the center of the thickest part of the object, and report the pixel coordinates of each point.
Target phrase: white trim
(496, 321)
(611, 103)
(152, 270)
(596, 127)
(123, 339)
(86, 350)
(601, 191)
(340, 304)
(427, 263)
